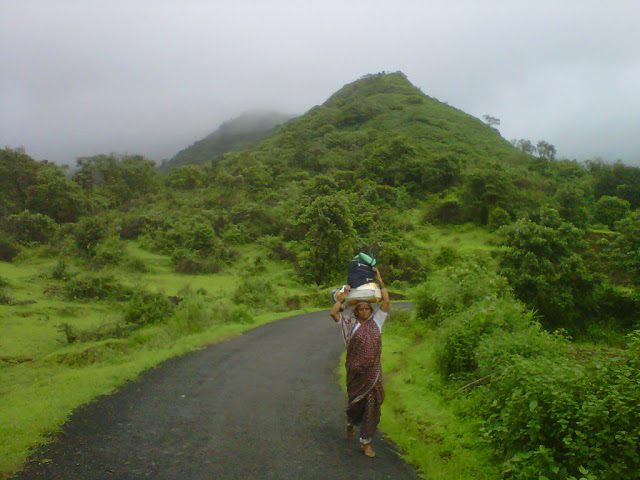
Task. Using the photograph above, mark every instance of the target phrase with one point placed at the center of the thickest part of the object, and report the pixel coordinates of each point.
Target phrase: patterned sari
(364, 378)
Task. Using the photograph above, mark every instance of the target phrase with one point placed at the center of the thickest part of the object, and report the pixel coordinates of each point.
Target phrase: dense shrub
(557, 419)
(194, 313)
(146, 308)
(609, 210)
(89, 232)
(398, 260)
(131, 226)
(237, 314)
(9, 250)
(109, 251)
(29, 227)
(463, 332)
(190, 262)
(255, 293)
(98, 287)
(498, 217)
(544, 260)
(453, 289)
(60, 271)
(445, 211)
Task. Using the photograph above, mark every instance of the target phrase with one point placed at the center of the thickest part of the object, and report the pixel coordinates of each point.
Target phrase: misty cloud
(151, 77)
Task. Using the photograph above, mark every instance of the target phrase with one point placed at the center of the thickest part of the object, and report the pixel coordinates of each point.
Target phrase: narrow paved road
(265, 405)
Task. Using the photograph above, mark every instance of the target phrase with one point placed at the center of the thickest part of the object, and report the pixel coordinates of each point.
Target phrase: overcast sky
(83, 77)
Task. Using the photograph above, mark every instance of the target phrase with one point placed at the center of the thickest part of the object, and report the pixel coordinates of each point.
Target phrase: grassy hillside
(239, 133)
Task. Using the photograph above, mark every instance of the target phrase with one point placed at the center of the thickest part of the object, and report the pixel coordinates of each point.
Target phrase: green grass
(37, 363)
(422, 422)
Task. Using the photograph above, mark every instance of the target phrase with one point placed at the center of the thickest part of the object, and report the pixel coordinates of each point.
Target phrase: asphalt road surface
(265, 405)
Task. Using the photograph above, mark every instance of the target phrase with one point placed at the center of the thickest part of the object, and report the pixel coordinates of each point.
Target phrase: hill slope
(236, 134)
(383, 129)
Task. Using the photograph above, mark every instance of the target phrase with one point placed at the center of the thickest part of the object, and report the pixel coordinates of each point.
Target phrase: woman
(364, 371)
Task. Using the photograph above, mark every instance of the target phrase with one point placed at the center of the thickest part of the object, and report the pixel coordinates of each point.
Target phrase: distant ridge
(240, 133)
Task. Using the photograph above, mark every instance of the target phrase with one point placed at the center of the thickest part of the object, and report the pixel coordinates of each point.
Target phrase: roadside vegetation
(519, 360)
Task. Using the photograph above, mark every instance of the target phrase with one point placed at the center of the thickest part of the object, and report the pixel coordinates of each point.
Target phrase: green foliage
(616, 180)
(498, 217)
(609, 210)
(625, 249)
(109, 251)
(119, 179)
(401, 261)
(60, 271)
(237, 314)
(256, 293)
(18, 172)
(96, 287)
(89, 232)
(558, 418)
(186, 177)
(329, 233)
(464, 332)
(39, 187)
(446, 210)
(193, 314)
(9, 250)
(456, 288)
(543, 261)
(191, 262)
(573, 204)
(147, 308)
(27, 227)
(54, 195)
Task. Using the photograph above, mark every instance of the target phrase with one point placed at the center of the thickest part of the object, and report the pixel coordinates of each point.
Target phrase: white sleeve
(380, 317)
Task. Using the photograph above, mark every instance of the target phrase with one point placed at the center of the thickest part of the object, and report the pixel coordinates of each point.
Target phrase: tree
(546, 150)
(491, 121)
(56, 196)
(525, 145)
(543, 259)
(18, 171)
(328, 224)
(608, 210)
(119, 179)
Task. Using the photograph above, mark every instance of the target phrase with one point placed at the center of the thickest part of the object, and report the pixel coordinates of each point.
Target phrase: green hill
(383, 130)
(239, 133)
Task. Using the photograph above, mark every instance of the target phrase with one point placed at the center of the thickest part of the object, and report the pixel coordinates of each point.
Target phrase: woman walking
(364, 371)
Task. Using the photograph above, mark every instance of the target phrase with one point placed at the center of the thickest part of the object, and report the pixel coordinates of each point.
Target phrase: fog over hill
(151, 77)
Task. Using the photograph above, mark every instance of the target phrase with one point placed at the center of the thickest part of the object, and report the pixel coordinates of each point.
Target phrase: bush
(255, 293)
(89, 287)
(190, 262)
(146, 308)
(464, 331)
(498, 217)
(60, 271)
(9, 250)
(27, 227)
(237, 314)
(453, 289)
(109, 251)
(609, 210)
(88, 233)
(560, 418)
(193, 314)
(544, 261)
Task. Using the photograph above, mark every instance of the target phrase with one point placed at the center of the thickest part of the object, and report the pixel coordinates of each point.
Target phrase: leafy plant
(146, 308)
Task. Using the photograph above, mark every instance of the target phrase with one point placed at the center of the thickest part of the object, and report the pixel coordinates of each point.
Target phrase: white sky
(82, 77)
